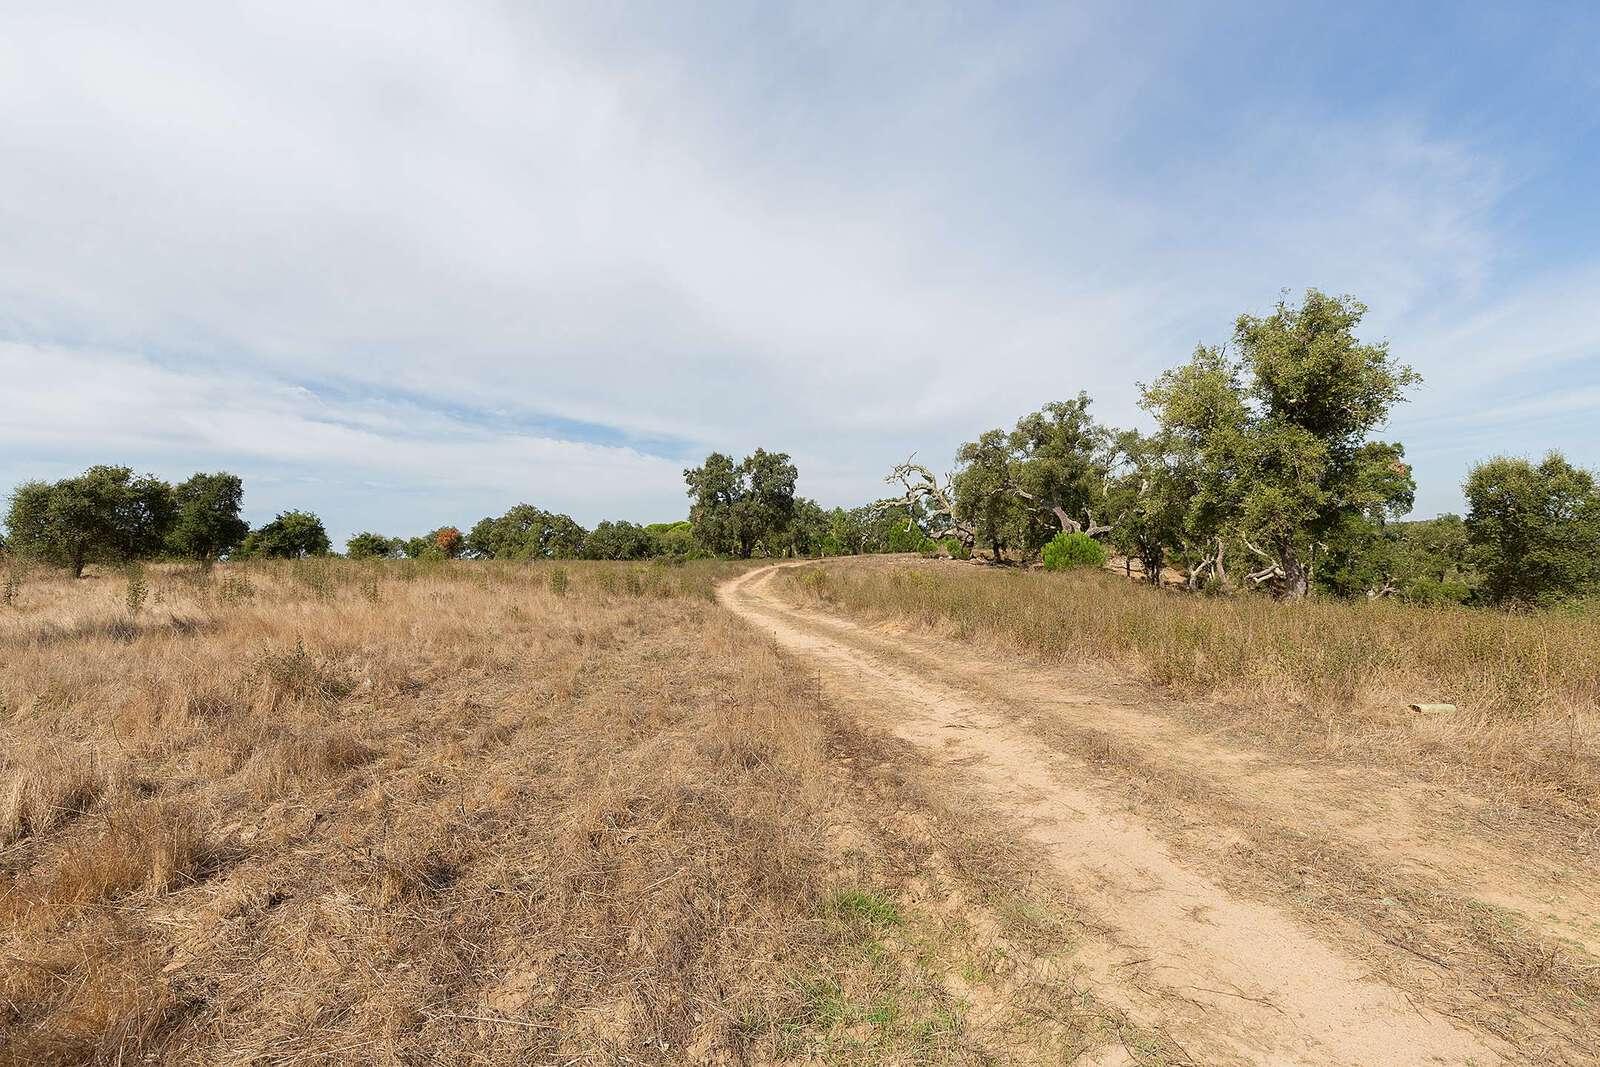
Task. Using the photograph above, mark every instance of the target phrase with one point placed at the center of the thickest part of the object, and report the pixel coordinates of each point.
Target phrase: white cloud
(843, 233)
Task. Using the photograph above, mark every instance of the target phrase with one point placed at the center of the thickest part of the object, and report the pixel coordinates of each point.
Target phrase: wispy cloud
(486, 252)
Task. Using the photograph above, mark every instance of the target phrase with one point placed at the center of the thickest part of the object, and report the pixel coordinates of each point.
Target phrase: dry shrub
(62, 1006)
(47, 790)
(148, 846)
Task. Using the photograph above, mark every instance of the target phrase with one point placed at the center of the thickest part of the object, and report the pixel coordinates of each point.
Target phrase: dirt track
(1214, 927)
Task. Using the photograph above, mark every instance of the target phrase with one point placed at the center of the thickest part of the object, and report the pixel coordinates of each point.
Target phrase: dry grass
(458, 813)
(1324, 678)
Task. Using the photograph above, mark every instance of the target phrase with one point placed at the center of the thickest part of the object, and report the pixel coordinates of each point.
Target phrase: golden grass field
(473, 812)
(469, 813)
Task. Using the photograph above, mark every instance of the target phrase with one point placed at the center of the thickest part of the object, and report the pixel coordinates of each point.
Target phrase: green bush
(1068, 550)
(1435, 591)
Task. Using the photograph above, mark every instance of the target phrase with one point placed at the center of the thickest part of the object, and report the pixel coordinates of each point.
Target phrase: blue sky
(407, 264)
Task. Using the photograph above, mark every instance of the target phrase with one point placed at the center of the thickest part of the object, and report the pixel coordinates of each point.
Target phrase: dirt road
(1265, 913)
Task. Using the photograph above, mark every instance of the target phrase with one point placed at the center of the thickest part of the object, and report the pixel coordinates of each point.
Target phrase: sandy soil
(1261, 911)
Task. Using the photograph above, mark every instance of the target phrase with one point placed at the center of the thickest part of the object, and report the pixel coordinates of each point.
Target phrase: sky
(410, 264)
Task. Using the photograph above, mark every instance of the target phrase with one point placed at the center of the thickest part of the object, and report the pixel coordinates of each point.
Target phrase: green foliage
(807, 532)
(1062, 463)
(871, 910)
(879, 528)
(525, 532)
(292, 535)
(368, 545)
(559, 581)
(1149, 500)
(675, 539)
(1273, 449)
(985, 492)
(206, 523)
(1068, 550)
(103, 515)
(1534, 530)
(137, 591)
(620, 540)
(1424, 561)
(435, 546)
(744, 508)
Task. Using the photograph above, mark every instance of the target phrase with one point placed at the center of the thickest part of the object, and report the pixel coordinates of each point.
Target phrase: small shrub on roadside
(1068, 550)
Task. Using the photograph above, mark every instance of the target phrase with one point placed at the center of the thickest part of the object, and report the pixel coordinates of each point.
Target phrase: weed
(298, 674)
(558, 581)
(871, 910)
(138, 591)
(236, 589)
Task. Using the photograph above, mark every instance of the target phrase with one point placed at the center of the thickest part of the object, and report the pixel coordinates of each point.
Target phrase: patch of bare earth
(1252, 906)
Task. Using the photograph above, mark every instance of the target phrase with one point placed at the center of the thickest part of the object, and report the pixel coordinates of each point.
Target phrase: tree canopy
(525, 532)
(736, 509)
(206, 521)
(368, 545)
(1273, 446)
(1534, 529)
(291, 535)
(102, 515)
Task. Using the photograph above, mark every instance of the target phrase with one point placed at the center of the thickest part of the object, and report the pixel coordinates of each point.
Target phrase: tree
(1276, 442)
(736, 509)
(368, 545)
(447, 539)
(986, 491)
(525, 532)
(926, 501)
(1049, 474)
(674, 538)
(1148, 498)
(1062, 464)
(808, 528)
(207, 523)
(1534, 530)
(292, 535)
(104, 514)
(619, 540)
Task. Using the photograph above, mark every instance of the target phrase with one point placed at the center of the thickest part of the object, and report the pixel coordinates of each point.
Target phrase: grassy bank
(1324, 677)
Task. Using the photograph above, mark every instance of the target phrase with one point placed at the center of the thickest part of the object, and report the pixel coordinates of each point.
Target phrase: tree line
(1264, 471)
(108, 515)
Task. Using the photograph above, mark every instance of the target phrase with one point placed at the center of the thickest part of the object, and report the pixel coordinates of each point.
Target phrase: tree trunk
(1296, 576)
(77, 561)
(1152, 568)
